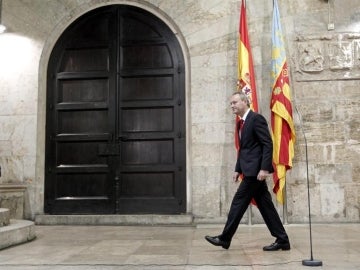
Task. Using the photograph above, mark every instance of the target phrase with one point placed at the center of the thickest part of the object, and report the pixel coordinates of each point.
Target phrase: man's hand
(262, 175)
(236, 176)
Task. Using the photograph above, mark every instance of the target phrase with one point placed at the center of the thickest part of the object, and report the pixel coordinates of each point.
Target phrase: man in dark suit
(254, 163)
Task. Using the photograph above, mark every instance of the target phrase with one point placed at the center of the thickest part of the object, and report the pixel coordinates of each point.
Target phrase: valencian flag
(246, 75)
(283, 131)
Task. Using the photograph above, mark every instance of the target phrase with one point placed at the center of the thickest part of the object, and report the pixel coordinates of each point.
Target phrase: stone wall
(324, 67)
(325, 72)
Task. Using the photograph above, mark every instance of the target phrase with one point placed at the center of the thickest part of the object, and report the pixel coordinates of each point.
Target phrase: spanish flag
(246, 75)
(282, 126)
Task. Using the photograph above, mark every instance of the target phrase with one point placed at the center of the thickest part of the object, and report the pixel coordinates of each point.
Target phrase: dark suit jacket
(256, 146)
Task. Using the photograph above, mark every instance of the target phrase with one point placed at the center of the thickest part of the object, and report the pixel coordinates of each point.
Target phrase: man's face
(238, 106)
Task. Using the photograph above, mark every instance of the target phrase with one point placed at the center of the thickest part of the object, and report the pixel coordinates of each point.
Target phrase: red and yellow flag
(282, 126)
(246, 75)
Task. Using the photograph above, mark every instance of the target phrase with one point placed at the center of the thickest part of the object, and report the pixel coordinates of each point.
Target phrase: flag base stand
(312, 262)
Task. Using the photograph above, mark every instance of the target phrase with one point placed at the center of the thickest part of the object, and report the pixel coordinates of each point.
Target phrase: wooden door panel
(146, 56)
(147, 88)
(137, 184)
(147, 120)
(79, 152)
(92, 30)
(147, 152)
(136, 27)
(92, 59)
(81, 90)
(82, 121)
(80, 186)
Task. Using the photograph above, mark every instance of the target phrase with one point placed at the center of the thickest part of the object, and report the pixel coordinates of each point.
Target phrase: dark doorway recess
(115, 123)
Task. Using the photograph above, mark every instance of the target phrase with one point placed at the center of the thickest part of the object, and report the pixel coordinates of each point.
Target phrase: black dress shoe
(277, 246)
(216, 241)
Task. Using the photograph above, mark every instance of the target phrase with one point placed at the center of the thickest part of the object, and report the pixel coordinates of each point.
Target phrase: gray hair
(243, 97)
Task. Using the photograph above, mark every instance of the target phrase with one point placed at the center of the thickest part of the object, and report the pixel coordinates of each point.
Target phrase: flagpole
(249, 214)
(285, 216)
(250, 207)
(311, 261)
(243, 2)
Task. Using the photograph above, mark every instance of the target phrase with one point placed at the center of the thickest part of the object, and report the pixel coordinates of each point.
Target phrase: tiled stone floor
(181, 248)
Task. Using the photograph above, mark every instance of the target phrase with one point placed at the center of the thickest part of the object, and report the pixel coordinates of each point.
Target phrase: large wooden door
(115, 129)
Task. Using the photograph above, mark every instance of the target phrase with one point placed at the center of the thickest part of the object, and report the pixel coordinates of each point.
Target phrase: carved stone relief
(311, 58)
(340, 55)
(334, 57)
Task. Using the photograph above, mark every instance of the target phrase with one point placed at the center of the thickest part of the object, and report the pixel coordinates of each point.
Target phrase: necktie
(240, 127)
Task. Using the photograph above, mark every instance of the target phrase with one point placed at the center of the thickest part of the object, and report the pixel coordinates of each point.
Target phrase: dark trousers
(250, 188)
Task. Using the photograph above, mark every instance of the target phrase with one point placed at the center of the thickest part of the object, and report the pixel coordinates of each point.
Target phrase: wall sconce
(2, 27)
